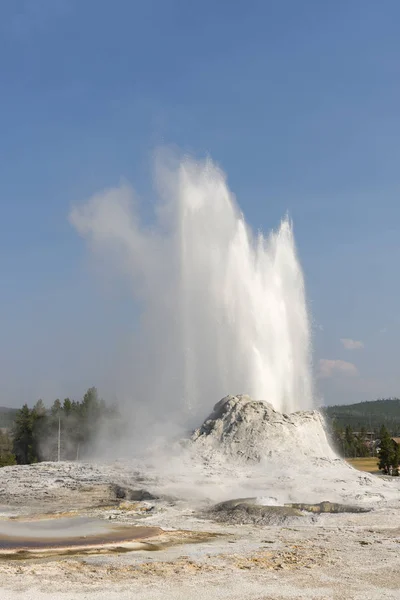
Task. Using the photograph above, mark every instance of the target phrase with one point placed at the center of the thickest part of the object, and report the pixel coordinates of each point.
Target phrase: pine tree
(389, 451)
(350, 442)
(23, 437)
(361, 443)
(55, 409)
(40, 427)
(337, 437)
(7, 458)
(67, 407)
(90, 412)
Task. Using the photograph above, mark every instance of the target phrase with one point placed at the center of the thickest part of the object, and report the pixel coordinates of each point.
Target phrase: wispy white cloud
(330, 368)
(350, 344)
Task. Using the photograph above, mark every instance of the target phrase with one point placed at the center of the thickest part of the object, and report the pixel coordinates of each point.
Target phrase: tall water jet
(220, 309)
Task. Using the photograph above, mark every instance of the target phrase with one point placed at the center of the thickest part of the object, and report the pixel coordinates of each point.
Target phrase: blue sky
(297, 101)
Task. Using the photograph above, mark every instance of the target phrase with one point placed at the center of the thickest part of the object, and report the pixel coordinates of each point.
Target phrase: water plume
(220, 310)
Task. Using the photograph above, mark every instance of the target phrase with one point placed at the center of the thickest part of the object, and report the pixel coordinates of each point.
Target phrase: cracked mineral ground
(226, 513)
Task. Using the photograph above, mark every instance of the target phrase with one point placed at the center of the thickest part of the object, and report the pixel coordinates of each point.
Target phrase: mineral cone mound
(252, 431)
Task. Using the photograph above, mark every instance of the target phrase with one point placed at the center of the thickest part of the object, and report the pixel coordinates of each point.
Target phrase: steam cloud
(221, 310)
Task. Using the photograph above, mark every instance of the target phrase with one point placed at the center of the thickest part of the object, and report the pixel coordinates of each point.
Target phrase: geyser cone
(220, 309)
(246, 430)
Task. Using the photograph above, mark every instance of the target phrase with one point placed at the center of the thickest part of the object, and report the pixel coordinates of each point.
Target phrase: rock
(228, 504)
(124, 493)
(252, 431)
(242, 512)
(329, 507)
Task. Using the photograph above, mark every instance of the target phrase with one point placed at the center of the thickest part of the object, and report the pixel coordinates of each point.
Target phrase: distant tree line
(69, 429)
(66, 431)
(367, 415)
(347, 443)
(350, 444)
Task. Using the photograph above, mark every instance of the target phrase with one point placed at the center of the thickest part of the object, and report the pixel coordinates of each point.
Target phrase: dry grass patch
(368, 464)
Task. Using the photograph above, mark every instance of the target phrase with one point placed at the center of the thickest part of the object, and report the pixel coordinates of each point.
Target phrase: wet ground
(68, 533)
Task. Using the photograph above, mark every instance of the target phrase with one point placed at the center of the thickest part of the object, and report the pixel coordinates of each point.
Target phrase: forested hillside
(367, 415)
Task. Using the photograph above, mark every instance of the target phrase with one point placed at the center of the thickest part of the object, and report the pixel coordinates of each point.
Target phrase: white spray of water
(221, 310)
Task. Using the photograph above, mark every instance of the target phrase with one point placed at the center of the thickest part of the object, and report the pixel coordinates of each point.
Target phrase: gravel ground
(339, 557)
(327, 556)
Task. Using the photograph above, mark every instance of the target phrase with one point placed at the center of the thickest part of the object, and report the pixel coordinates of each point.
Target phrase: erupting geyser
(221, 310)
